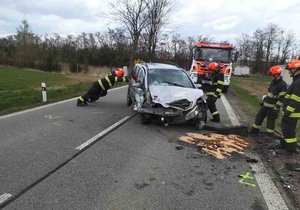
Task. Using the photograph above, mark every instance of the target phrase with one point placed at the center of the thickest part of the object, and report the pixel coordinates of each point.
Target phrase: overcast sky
(222, 19)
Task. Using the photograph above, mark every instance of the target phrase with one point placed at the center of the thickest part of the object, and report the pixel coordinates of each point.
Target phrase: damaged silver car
(165, 92)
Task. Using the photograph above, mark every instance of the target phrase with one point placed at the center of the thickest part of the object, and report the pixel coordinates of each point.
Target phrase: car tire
(225, 89)
(145, 119)
(129, 102)
(200, 125)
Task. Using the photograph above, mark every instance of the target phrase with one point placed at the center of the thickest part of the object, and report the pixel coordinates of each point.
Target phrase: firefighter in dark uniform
(291, 108)
(271, 103)
(215, 90)
(100, 87)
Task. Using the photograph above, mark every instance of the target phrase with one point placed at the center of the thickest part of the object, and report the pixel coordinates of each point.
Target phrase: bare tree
(272, 32)
(159, 12)
(288, 41)
(131, 14)
(191, 43)
(25, 45)
(245, 48)
(259, 37)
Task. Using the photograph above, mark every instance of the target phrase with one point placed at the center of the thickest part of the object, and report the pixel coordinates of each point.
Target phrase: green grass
(251, 102)
(21, 89)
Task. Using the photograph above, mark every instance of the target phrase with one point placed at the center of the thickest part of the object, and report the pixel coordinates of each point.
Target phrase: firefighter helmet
(275, 70)
(120, 72)
(213, 66)
(294, 64)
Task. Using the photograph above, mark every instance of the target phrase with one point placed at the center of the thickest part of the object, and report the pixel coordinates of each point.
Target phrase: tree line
(267, 46)
(141, 35)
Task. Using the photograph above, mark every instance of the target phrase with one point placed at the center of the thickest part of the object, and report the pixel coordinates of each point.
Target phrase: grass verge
(21, 88)
(250, 99)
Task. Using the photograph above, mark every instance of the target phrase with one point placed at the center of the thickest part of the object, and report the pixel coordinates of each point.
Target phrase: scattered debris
(179, 147)
(273, 152)
(246, 176)
(141, 186)
(289, 186)
(189, 192)
(251, 160)
(151, 179)
(217, 145)
(241, 130)
(293, 166)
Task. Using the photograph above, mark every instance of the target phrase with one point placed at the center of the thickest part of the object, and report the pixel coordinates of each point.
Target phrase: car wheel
(145, 119)
(129, 102)
(225, 89)
(200, 125)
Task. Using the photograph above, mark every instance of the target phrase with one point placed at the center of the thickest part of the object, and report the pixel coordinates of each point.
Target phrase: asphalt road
(132, 167)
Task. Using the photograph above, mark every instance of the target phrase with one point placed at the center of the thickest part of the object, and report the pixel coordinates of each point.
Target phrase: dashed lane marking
(102, 133)
(9, 199)
(4, 197)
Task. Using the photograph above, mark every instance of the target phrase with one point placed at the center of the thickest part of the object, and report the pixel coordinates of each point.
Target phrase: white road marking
(4, 197)
(48, 105)
(232, 116)
(50, 117)
(102, 133)
(271, 194)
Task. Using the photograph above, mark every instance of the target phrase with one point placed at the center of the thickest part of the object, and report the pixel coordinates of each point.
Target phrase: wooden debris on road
(217, 145)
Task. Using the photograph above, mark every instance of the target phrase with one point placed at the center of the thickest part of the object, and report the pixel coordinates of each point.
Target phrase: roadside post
(125, 70)
(44, 93)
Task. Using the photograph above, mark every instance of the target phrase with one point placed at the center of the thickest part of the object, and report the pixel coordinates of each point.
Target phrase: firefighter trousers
(94, 93)
(271, 118)
(288, 126)
(211, 104)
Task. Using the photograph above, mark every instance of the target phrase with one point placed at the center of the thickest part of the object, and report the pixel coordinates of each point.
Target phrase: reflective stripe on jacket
(108, 81)
(217, 83)
(276, 93)
(291, 106)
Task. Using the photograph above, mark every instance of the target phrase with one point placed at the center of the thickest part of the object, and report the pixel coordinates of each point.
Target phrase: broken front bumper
(171, 113)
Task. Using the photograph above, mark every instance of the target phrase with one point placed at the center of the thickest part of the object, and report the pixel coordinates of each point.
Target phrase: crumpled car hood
(167, 94)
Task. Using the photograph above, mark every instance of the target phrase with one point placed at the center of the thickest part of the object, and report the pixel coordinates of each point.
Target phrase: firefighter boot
(282, 143)
(254, 131)
(216, 118)
(291, 147)
(81, 103)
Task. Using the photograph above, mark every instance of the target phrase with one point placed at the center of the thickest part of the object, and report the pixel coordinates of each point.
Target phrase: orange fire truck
(204, 53)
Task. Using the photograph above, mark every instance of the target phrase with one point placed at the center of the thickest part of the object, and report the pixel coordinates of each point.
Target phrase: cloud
(217, 18)
(225, 23)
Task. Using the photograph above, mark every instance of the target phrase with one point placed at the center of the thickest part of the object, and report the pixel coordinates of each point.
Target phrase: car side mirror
(199, 86)
(137, 85)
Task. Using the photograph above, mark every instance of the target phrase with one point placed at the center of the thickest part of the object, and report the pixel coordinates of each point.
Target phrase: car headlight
(192, 114)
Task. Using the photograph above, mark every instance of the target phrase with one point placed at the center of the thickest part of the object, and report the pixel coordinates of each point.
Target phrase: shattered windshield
(212, 54)
(168, 77)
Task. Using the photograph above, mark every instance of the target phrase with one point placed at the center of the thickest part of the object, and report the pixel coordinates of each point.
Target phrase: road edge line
(267, 187)
(46, 106)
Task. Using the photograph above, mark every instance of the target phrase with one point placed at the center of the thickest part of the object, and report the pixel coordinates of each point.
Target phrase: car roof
(161, 66)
